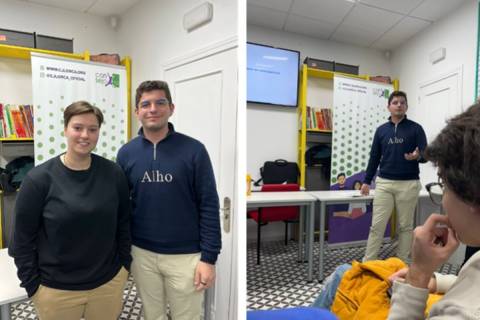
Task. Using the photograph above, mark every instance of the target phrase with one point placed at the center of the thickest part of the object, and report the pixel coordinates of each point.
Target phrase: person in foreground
(71, 240)
(456, 153)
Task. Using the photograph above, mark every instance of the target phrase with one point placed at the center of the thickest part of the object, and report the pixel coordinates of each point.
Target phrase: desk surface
(341, 195)
(279, 198)
(10, 290)
(346, 195)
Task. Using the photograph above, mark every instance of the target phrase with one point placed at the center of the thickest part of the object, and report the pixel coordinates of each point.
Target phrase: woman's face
(464, 218)
(82, 133)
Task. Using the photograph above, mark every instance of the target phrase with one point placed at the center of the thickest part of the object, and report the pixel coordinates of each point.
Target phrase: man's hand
(204, 276)
(365, 189)
(413, 155)
(433, 243)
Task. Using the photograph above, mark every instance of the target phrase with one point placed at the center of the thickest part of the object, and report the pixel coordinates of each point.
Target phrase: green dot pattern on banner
(49, 126)
(355, 118)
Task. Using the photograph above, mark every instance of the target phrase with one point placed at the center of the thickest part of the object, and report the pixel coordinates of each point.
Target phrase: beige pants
(389, 194)
(102, 303)
(163, 279)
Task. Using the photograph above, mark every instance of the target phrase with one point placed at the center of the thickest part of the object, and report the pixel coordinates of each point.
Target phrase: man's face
(341, 180)
(154, 110)
(398, 107)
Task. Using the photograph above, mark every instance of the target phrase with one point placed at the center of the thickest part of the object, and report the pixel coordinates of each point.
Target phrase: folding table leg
(259, 227)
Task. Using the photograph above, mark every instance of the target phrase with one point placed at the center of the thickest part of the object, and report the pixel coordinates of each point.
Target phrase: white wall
(458, 34)
(272, 131)
(152, 34)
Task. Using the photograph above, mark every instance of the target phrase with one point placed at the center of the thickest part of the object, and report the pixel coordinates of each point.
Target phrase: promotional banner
(359, 107)
(57, 82)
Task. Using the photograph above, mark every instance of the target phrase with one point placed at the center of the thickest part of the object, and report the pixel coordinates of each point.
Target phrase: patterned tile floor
(279, 281)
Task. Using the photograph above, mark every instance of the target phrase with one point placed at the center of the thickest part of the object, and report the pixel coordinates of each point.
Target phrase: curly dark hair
(456, 153)
(149, 85)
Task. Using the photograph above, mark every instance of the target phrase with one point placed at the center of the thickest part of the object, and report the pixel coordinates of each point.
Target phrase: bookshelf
(311, 136)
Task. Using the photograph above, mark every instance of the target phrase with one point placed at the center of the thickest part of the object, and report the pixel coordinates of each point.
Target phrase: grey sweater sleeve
(407, 302)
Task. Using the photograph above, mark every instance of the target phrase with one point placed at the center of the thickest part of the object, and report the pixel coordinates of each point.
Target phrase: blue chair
(300, 313)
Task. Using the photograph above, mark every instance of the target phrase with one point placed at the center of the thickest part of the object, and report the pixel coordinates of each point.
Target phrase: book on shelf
(16, 121)
(319, 118)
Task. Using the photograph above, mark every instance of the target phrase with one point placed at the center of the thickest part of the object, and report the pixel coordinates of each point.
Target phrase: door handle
(226, 214)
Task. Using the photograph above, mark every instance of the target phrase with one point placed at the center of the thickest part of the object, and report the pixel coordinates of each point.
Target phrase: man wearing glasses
(397, 147)
(175, 221)
(455, 151)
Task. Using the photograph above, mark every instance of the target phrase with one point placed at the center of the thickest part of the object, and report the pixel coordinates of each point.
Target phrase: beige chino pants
(102, 303)
(401, 195)
(163, 279)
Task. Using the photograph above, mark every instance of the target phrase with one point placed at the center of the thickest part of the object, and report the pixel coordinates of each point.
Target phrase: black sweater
(71, 227)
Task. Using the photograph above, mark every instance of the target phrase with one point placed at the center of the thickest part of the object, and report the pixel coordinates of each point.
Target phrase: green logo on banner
(115, 80)
(108, 79)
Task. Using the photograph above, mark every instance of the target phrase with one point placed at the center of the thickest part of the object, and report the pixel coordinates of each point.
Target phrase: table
(331, 198)
(291, 198)
(10, 290)
(344, 197)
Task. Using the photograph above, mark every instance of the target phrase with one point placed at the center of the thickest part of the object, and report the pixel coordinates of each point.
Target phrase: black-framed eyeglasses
(435, 190)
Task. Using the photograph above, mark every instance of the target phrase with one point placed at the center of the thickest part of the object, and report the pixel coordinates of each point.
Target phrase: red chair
(271, 214)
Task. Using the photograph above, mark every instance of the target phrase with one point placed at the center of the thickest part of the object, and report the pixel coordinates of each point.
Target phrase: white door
(204, 91)
(439, 99)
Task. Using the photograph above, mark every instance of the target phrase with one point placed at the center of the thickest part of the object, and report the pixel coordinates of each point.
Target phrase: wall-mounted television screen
(272, 75)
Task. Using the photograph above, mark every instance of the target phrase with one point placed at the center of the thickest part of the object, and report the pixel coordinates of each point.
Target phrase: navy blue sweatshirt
(72, 229)
(174, 195)
(390, 143)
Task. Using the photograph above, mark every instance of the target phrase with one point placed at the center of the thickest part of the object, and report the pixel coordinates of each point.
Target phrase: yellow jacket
(362, 293)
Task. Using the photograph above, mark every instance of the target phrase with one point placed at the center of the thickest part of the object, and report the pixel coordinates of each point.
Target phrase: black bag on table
(278, 171)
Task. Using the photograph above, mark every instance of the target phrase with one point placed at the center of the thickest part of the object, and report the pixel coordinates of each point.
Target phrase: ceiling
(104, 8)
(379, 24)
